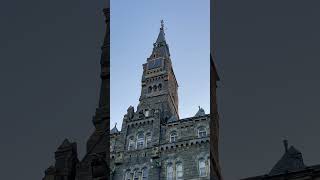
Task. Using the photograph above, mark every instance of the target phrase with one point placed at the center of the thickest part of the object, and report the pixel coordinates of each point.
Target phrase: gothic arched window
(149, 89)
(145, 174)
(148, 139)
(202, 167)
(173, 137)
(169, 172)
(160, 87)
(202, 132)
(179, 171)
(154, 88)
(140, 140)
(131, 143)
(136, 175)
(127, 175)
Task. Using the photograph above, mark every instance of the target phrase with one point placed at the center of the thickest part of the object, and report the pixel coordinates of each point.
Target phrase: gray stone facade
(153, 143)
(186, 147)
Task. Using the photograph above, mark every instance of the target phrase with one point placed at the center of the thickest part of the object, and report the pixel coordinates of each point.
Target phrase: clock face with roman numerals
(155, 63)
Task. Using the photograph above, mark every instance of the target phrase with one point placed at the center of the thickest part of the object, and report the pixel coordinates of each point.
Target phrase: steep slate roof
(200, 112)
(161, 37)
(172, 119)
(114, 130)
(290, 165)
(291, 161)
(65, 143)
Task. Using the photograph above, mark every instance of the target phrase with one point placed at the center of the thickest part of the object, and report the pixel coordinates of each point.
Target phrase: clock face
(155, 63)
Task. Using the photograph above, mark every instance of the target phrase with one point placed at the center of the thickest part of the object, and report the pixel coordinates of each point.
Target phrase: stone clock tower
(153, 143)
(159, 85)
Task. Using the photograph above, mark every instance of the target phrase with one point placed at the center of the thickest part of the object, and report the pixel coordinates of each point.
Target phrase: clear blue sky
(135, 27)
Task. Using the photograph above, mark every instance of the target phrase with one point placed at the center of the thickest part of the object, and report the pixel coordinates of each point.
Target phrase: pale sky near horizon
(133, 33)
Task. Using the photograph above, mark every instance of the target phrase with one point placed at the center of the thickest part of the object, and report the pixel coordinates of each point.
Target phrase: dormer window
(146, 113)
(173, 137)
(202, 132)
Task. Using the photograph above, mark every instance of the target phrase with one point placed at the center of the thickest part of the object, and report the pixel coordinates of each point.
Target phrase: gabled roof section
(291, 161)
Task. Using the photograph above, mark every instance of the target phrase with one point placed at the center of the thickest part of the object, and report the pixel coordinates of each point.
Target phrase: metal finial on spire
(162, 24)
(115, 125)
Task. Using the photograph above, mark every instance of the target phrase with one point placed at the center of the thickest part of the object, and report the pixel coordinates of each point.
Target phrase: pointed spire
(160, 47)
(161, 36)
